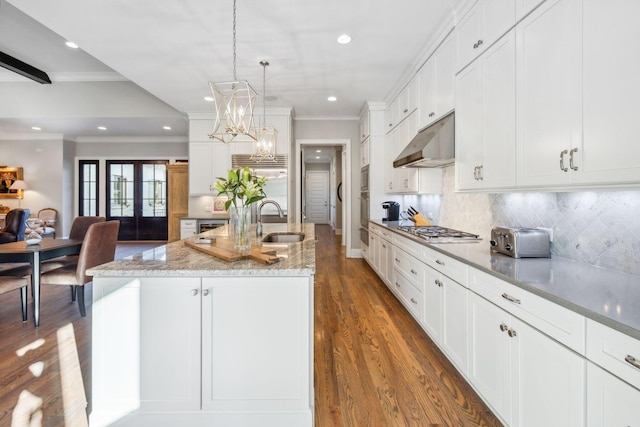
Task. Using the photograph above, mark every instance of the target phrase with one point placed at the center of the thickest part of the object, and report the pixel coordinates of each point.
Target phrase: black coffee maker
(392, 210)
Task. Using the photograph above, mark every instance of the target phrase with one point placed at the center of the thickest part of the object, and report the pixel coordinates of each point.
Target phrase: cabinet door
(545, 375)
(188, 228)
(391, 153)
(523, 7)
(200, 167)
(489, 354)
(610, 401)
(134, 339)
(443, 79)
(499, 114)
(610, 153)
(255, 354)
(468, 124)
(548, 64)
(468, 33)
(455, 332)
(432, 316)
(426, 93)
(498, 17)
(384, 260)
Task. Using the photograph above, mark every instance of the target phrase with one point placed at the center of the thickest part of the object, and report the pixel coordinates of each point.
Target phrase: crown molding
(131, 140)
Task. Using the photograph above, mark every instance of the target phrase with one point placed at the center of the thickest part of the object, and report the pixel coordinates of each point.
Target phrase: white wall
(338, 129)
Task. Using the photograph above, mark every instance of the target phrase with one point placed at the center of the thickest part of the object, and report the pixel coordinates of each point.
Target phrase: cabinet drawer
(562, 324)
(616, 352)
(409, 266)
(407, 245)
(448, 266)
(410, 296)
(380, 231)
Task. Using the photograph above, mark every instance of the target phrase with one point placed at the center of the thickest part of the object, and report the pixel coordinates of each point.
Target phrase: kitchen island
(180, 337)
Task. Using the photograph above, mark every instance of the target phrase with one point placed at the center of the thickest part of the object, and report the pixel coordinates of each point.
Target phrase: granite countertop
(216, 215)
(177, 259)
(606, 296)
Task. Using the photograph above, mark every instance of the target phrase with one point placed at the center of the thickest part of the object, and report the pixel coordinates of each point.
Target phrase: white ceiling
(171, 49)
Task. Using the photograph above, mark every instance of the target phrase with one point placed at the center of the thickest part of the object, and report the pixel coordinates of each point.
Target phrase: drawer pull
(413, 271)
(205, 292)
(512, 333)
(439, 262)
(632, 361)
(194, 292)
(503, 327)
(413, 300)
(510, 298)
(439, 283)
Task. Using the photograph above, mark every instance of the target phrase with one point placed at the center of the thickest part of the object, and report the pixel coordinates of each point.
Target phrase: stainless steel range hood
(432, 147)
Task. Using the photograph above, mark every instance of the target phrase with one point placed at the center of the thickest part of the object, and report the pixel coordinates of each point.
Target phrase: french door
(137, 197)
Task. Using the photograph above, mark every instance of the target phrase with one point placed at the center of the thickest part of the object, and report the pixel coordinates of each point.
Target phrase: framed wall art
(8, 175)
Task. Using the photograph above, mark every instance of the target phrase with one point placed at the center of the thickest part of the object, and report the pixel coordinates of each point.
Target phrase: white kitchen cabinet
(435, 84)
(188, 228)
(408, 279)
(524, 7)
(528, 378)
(610, 401)
(454, 324)
(481, 26)
(549, 87)
(432, 317)
(609, 153)
(207, 162)
(407, 100)
(380, 251)
(485, 119)
(364, 153)
(138, 340)
(266, 322)
(364, 126)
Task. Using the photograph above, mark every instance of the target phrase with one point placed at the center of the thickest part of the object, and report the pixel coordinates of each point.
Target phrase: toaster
(519, 242)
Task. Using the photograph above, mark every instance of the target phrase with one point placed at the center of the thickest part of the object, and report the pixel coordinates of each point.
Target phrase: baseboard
(354, 253)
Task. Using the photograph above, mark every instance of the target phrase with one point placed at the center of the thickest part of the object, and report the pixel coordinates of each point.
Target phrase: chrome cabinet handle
(512, 333)
(439, 283)
(562, 167)
(510, 298)
(503, 327)
(405, 110)
(413, 271)
(571, 165)
(413, 300)
(439, 262)
(384, 246)
(475, 173)
(481, 173)
(477, 44)
(397, 285)
(397, 260)
(205, 292)
(194, 292)
(632, 361)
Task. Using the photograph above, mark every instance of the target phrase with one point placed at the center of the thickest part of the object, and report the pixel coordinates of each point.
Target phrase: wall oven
(210, 224)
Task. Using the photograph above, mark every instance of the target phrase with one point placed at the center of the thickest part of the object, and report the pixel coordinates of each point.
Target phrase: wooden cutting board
(223, 249)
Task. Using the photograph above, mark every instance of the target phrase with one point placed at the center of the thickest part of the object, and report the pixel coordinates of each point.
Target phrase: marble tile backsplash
(596, 227)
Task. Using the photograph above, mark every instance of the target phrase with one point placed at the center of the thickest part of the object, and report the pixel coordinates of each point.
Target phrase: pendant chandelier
(264, 149)
(234, 102)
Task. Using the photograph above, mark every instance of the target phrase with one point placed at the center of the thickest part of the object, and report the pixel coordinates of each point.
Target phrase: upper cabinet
(548, 73)
(481, 26)
(435, 84)
(402, 106)
(364, 126)
(207, 162)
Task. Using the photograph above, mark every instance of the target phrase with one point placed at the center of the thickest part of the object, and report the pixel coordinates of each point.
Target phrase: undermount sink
(283, 237)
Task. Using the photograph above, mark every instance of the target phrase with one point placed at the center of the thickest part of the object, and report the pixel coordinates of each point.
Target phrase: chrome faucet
(259, 216)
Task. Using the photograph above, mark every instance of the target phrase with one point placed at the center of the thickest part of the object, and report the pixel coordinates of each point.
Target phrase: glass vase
(241, 220)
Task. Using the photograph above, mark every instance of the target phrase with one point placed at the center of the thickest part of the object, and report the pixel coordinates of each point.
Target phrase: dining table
(21, 252)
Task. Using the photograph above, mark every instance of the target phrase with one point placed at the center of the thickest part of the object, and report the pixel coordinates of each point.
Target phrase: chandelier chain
(234, 41)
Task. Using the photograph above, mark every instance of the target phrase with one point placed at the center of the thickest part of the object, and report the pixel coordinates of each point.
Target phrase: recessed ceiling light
(317, 157)
(332, 99)
(36, 128)
(166, 127)
(72, 45)
(102, 128)
(318, 151)
(208, 98)
(344, 39)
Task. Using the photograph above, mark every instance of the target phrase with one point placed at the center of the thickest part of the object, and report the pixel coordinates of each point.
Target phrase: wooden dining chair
(98, 247)
(10, 283)
(49, 217)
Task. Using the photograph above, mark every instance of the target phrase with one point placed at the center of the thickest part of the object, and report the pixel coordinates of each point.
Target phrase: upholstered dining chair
(9, 283)
(49, 217)
(98, 247)
(79, 228)
(14, 225)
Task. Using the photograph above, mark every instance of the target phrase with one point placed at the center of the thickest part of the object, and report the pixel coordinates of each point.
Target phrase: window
(88, 195)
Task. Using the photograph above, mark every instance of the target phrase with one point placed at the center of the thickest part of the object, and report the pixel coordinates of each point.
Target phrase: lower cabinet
(202, 351)
(525, 376)
(610, 401)
(188, 228)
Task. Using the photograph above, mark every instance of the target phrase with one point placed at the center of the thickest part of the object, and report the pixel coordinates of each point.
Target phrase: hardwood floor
(374, 366)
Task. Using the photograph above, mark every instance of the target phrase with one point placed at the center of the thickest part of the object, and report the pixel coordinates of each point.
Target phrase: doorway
(317, 196)
(137, 197)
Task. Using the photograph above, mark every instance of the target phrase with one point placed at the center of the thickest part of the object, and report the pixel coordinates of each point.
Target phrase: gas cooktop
(435, 234)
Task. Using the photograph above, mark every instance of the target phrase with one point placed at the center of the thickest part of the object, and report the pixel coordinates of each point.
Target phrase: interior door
(317, 197)
(137, 197)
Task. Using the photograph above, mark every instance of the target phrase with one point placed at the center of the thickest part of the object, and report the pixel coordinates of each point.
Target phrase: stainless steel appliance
(391, 210)
(435, 234)
(210, 224)
(520, 242)
(433, 146)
